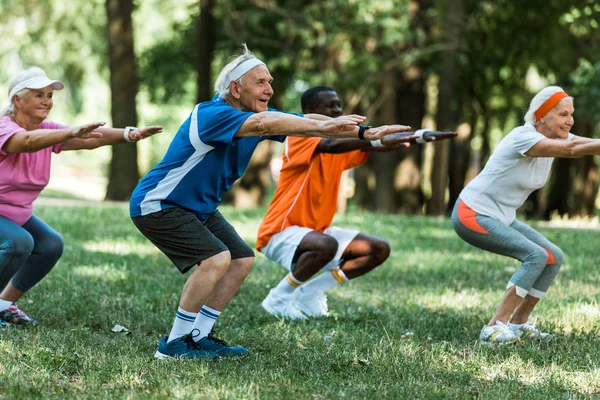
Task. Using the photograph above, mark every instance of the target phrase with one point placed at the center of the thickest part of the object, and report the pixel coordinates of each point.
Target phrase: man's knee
(381, 250)
(327, 247)
(536, 260)
(218, 263)
(243, 265)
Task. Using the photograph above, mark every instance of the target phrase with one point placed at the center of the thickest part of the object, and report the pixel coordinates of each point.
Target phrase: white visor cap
(35, 82)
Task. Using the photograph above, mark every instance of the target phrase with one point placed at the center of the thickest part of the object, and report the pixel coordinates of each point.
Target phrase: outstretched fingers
(87, 131)
(145, 132)
(381, 131)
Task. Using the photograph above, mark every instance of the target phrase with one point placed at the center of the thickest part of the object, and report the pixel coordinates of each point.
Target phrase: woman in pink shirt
(29, 248)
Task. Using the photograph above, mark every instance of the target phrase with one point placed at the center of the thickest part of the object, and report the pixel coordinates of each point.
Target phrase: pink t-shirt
(22, 175)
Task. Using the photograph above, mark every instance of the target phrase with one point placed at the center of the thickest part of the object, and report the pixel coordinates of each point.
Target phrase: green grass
(407, 330)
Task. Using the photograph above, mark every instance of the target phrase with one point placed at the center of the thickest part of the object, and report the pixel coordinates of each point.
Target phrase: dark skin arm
(391, 142)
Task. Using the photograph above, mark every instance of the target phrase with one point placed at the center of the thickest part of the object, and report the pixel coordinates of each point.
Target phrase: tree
(123, 171)
(445, 119)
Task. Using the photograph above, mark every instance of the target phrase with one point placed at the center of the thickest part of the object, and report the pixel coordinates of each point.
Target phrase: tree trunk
(205, 40)
(385, 163)
(585, 178)
(410, 110)
(123, 171)
(449, 59)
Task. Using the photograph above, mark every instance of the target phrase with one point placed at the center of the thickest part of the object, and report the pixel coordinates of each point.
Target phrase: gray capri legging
(541, 259)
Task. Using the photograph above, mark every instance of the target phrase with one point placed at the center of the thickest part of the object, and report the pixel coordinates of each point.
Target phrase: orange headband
(549, 104)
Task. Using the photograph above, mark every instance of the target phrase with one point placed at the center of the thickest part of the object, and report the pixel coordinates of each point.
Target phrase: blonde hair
(22, 77)
(539, 99)
(222, 82)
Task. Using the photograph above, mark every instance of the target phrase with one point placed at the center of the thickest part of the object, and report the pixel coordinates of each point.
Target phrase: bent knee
(53, 246)
(243, 264)
(557, 256)
(537, 259)
(17, 247)
(327, 248)
(381, 250)
(220, 261)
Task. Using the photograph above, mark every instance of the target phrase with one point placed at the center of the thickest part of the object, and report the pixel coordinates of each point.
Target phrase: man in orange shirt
(296, 232)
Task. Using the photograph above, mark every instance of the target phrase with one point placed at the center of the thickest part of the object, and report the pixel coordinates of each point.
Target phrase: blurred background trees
(465, 65)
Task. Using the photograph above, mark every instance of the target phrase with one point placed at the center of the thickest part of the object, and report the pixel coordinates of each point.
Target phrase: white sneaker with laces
(312, 303)
(282, 306)
(528, 330)
(497, 334)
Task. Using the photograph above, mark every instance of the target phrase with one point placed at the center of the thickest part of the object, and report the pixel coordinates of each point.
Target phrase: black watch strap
(361, 131)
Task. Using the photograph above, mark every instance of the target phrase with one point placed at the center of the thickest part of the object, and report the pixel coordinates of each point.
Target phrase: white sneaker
(312, 303)
(528, 330)
(282, 306)
(497, 334)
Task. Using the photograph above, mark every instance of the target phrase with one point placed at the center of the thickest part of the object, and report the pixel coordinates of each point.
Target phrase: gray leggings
(541, 259)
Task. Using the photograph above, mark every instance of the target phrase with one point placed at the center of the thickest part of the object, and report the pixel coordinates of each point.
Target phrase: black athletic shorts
(187, 240)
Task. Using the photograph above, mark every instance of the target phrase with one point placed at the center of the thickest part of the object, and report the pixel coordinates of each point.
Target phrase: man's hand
(345, 123)
(384, 130)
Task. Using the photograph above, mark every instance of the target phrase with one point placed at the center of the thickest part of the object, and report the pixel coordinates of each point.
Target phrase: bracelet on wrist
(377, 143)
(361, 131)
(420, 132)
(126, 133)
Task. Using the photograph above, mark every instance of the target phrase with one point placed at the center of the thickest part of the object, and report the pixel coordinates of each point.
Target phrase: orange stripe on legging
(550, 257)
(467, 217)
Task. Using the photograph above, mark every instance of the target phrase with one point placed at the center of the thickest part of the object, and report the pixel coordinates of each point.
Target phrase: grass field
(407, 330)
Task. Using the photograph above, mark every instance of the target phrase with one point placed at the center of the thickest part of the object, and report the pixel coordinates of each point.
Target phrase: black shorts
(187, 240)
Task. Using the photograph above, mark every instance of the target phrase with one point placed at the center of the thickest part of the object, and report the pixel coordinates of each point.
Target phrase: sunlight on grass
(120, 248)
(104, 273)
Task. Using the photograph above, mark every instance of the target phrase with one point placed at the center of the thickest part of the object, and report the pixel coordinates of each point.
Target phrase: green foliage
(586, 89)
(65, 38)
(406, 330)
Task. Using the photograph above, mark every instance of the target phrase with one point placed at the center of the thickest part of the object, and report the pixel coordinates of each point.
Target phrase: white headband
(244, 67)
(36, 82)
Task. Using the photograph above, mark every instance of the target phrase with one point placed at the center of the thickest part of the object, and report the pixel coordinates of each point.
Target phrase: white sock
(4, 304)
(326, 281)
(184, 320)
(205, 320)
(287, 285)
(514, 326)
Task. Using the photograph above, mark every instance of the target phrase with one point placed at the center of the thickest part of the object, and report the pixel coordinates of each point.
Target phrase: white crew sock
(286, 286)
(4, 304)
(325, 281)
(184, 320)
(205, 320)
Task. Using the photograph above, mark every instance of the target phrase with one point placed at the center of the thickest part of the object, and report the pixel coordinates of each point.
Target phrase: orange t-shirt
(308, 188)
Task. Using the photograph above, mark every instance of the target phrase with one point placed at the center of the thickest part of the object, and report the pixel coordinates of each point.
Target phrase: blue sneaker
(4, 324)
(183, 347)
(221, 347)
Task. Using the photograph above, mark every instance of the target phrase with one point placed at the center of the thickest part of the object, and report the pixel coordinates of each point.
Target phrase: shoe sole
(486, 343)
(271, 311)
(303, 309)
(161, 356)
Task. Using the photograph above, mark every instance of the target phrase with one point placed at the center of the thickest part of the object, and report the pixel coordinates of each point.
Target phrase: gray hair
(22, 77)
(222, 82)
(539, 99)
